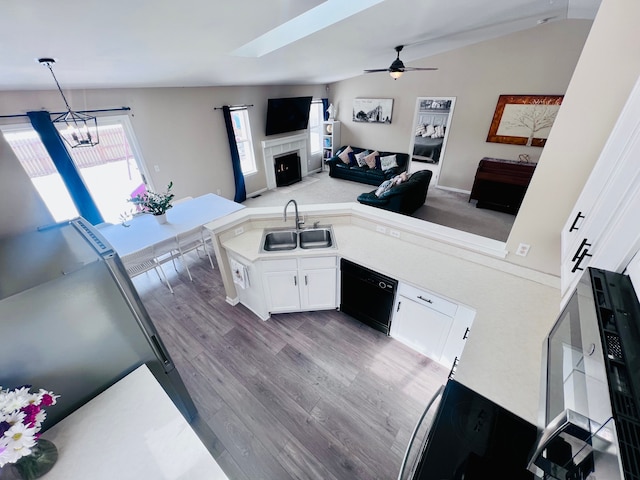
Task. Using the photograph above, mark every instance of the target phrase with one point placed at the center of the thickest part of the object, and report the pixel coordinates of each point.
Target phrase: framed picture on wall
(372, 110)
(524, 119)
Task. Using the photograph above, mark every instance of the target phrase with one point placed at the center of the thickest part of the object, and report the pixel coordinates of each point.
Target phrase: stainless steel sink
(280, 240)
(316, 238)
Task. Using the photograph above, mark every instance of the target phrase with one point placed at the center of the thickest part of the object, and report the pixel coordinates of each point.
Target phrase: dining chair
(166, 251)
(142, 261)
(190, 240)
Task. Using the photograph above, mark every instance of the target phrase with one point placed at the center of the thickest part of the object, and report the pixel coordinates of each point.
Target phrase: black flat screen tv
(287, 114)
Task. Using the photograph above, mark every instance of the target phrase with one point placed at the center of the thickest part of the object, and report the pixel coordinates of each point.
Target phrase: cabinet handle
(452, 372)
(398, 307)
(428, 300)
(579, 252)
(577, 265)
(306, 280)
(295, 280)
(575, 221)
(466, 334)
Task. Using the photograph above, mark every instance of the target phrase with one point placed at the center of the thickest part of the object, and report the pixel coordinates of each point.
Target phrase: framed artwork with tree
(524, 119)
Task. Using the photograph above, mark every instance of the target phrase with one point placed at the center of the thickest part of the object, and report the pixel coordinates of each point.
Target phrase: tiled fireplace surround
(278, 146)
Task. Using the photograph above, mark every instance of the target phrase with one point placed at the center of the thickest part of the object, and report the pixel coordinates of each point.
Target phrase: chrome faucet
(299, 222)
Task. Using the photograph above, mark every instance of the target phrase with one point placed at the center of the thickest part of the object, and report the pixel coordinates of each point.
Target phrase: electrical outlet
(381, 229)
(523, 249)
(156, 168)
(394, 233)
(239, 231)
(218, 192)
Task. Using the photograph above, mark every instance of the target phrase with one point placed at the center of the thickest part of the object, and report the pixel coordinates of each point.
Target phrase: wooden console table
(501, 184)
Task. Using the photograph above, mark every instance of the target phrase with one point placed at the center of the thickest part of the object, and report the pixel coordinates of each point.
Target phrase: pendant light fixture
(81, 130)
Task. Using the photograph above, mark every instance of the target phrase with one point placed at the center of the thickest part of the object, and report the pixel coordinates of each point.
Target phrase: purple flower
(4, 426)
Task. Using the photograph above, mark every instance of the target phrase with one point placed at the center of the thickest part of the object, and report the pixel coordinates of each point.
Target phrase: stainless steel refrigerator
(72, 322)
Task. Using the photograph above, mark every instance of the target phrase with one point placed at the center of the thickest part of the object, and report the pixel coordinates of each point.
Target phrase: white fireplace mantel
(278, 146)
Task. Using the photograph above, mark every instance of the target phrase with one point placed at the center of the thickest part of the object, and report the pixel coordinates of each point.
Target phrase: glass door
(112, 170)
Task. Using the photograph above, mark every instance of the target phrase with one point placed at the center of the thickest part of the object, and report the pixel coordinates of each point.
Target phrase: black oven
(590, 410)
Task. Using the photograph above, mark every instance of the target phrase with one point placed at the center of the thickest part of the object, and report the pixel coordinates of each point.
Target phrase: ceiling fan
(397, 68)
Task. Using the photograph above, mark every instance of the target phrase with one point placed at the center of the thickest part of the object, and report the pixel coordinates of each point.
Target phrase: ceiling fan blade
(377, 70)
(411, 69)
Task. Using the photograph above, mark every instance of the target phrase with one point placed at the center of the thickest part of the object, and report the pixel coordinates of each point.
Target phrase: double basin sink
(282, 239)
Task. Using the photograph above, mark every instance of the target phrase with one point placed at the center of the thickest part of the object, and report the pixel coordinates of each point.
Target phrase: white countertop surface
(131, 431)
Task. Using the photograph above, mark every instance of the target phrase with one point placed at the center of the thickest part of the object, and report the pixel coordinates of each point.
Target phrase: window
(242, 130)
(316, 117)
(110, 171)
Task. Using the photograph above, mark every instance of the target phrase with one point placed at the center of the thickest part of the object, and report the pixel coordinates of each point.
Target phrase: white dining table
(144, 230)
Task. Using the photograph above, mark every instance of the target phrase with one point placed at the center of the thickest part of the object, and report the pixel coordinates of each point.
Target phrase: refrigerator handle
(131, 297)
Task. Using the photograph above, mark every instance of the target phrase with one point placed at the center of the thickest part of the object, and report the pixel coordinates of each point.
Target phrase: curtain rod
(78, 111)
(233, 106)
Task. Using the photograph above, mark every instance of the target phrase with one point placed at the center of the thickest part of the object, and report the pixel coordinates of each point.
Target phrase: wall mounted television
(287, 114)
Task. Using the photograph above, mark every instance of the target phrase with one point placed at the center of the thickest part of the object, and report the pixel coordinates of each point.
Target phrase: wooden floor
(312, 395)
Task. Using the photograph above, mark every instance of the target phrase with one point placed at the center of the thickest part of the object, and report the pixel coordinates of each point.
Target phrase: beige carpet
(443, 207)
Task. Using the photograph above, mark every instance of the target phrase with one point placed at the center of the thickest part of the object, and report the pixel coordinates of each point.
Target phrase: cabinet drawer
(428, 299)
(279, 265)
(317, 262)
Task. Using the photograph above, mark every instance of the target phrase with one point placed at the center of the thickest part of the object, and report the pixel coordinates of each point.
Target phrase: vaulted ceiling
(157, 43)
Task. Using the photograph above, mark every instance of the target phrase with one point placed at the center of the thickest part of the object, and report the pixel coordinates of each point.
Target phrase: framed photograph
(524, 119)
(372, 110)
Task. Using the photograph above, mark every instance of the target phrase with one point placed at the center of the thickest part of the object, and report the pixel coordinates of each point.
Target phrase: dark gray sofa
(370, 176)
(405, 198)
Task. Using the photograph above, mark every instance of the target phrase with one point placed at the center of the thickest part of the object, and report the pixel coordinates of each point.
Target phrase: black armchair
(404, 198)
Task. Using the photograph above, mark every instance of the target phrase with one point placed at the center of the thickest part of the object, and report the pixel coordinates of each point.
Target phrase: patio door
(111, 171)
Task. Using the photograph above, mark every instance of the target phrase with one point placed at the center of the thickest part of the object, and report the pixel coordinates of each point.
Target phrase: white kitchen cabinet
(601, 230)
(282, 290)
(248, 284)
(300, 284)
(430, 324)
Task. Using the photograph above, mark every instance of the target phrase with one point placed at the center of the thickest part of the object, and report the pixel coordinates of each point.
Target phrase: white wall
(177, 129)
(602, 81)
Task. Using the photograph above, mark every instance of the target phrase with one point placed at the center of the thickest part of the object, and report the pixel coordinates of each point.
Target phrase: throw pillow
(384, 186)
(388, 162)
(344, 156)
(398, 179)
(430, 130)
(360, 158)
(371, 159)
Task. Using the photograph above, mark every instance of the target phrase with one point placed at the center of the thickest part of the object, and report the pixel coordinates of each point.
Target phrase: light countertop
(131, 431)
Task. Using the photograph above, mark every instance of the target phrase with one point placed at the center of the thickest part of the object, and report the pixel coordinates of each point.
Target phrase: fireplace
(287, 168)
(276, 147)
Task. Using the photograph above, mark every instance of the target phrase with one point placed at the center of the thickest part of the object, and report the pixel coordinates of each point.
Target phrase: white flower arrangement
(21, 417)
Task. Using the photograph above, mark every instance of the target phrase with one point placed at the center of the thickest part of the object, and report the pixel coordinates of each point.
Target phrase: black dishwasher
(366, 295)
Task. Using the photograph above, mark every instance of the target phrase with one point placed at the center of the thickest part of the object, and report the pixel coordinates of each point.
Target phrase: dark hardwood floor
(313, 395)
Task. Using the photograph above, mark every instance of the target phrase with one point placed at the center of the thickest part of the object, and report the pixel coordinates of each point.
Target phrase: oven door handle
(415, 432)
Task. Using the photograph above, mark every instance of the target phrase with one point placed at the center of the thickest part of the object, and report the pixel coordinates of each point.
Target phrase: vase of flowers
(21, 415)
(155, 203)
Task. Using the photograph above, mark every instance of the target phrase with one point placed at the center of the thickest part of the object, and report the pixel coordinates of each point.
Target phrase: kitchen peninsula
(509, 301)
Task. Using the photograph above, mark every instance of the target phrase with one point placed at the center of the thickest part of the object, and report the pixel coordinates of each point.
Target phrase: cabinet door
(457, 336)
(281, 289)
(420, 327)
(318, 289)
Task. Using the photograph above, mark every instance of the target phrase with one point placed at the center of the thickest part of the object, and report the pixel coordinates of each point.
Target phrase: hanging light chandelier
(81, 130)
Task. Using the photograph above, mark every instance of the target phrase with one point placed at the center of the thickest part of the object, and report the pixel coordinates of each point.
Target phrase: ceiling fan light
(395, 74)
